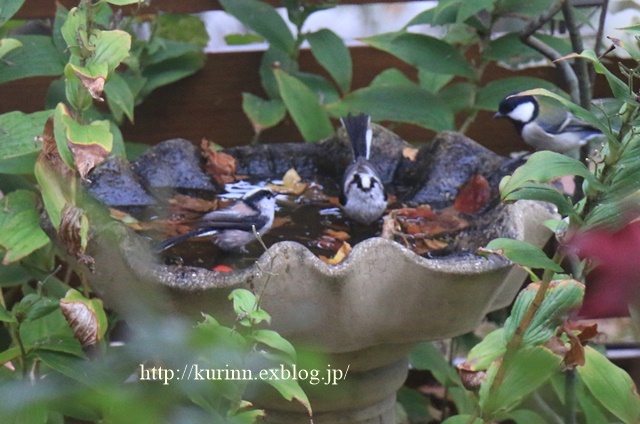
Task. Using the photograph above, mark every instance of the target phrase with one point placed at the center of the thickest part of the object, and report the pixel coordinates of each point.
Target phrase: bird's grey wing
(230, 220)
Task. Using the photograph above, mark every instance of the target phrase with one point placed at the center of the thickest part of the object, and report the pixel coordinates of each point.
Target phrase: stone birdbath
(364, 313)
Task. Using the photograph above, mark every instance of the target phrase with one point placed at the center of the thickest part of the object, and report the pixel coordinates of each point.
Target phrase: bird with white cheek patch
(546, 127)
(363, 197)
(232, 228)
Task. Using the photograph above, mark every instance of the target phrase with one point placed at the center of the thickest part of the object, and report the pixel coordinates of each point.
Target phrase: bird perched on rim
(362, 197)
(232, 228)
(546, 127)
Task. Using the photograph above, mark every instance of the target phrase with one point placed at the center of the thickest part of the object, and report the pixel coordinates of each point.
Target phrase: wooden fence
(208, 104)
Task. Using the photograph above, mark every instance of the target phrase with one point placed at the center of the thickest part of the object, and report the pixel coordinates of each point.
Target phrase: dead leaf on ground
(473, 196)
(339, 256)
(291, 184)
(410, 153)
(221, 166)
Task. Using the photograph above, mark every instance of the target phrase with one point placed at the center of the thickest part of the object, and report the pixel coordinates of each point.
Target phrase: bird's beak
(498, 115)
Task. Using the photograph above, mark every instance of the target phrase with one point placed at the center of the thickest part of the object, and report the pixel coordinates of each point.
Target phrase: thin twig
(581, 68)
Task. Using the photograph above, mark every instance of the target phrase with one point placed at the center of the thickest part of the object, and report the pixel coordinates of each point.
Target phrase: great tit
(545, 128)
(362, 197)
(231, 228)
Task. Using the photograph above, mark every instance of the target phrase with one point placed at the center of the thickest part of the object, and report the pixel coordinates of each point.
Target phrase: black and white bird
(232, 228)
(546, 126)
(362, 197)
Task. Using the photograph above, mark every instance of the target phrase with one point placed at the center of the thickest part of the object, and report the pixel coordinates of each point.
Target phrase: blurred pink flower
(615, 280)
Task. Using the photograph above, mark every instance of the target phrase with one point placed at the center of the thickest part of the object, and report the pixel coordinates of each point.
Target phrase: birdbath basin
(365, 313)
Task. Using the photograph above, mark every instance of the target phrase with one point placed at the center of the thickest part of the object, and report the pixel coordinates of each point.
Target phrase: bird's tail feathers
(357, 127)
(172, 241)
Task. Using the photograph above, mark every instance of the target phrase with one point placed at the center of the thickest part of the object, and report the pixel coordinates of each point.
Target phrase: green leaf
(275, 341)
(10, 354)
(8, 9)
(542, 192)
(182, 27)
(331, 52)
(275, 58)
(111, 47)
(543, 167)
(471, 8)
(304, 107)
(391, 76)
(243, 301)
(19, 140)
(561, 298)
(8, 44)
(171, 70)
(242, 39)
(124, 2)
(13, 274)
(619, 88)
(493, 346)
(433, 82)
(119, 97)
(446, 12)
(324, 90)
(522, 253)
(264, 20)
(290, 389)
(424, 52)
(36, 57)
(611, 386)
(525, 416)
(415, 404)
(526, 8)
(262, 113)
(400, 103)
(493, 93)
(426, 356)
(20, 232)
(458, 96)
(526, 370)
(6, 316)
(66, 364)
(462, 419)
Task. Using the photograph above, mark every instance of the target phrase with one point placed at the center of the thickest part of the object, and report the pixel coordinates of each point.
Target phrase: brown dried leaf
(95, 85)
(473, 196)
(471, 380)
(194, 203)
(87, 156)
(126, 219)
(338, 235)
(339, 256)
(82, 320)
(221, 166)
(73, 233)
(291, 184)
(410, 153)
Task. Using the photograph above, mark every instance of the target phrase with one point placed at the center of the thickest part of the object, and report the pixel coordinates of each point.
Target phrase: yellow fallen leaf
(339, 256)
(291, 184)
(410, 153)
(338, 235)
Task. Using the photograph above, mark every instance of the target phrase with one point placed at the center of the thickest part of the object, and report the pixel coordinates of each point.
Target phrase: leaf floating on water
(194, 203)
(339, 256)
(291, 184)
(220, 165)
(338, 235)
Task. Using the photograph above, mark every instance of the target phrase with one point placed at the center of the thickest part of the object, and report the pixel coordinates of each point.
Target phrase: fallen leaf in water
(473, 196)
(291, 184)
(126, 219)
(338, 235)
(222, 268)
(220, 165)
(194, 203)
(339, 256)
(422, 211)
(410, 153)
